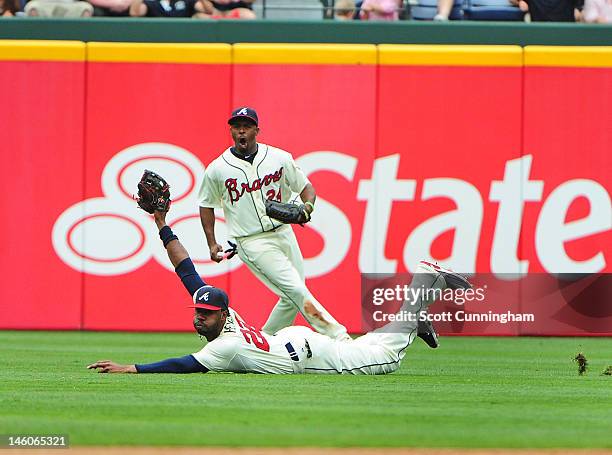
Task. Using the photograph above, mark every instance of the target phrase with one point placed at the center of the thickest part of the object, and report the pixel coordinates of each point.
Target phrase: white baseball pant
(275, 258)
(377, 352)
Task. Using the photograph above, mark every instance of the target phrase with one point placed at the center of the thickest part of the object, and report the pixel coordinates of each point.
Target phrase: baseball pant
(275, 258)
(380, 351)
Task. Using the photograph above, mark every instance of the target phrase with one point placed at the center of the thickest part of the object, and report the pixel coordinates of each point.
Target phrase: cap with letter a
(244, 113)
(210, 298)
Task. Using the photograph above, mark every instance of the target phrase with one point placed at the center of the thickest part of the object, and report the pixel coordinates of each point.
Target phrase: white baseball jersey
(240, 188)
(241, 348)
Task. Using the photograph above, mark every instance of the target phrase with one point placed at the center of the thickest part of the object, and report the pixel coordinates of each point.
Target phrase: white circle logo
(110, 235)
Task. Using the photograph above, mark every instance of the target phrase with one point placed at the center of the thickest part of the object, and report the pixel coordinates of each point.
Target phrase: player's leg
(284, 312)
(264, 255)
(381, 351)
(363, 356)
(429, 280)
(268, 262)
(282, 315)
(251, 251)
(291, 248)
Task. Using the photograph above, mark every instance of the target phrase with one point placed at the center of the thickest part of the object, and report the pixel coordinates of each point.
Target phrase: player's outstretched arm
(176, 251)
(178, 255)
(181, 365)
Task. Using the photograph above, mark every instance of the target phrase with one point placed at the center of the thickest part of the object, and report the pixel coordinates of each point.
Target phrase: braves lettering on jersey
(240, 188)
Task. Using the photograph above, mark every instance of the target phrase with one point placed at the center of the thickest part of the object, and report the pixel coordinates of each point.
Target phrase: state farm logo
(110, 235)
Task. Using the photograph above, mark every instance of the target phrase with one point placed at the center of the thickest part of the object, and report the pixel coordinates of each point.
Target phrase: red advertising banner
(482, 158)
(42, 154)
(568, 213)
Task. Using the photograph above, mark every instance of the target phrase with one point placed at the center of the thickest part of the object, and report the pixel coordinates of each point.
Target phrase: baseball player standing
(235, 346)
(239, 181)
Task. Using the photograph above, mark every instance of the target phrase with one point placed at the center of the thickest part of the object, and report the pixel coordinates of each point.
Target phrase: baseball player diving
(249, 181)
(235, 346)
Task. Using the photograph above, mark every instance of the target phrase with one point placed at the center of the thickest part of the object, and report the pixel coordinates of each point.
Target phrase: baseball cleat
(427, 333)
(453, 280)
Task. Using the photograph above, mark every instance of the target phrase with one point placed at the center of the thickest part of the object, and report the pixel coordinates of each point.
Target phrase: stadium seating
(425, 10)
(491, 10)
(289, 9)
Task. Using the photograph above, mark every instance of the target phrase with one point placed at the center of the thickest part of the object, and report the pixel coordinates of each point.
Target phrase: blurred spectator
(8, 7)
(597, 11)
(551, 10)
(380, 10)
(345, 9)
(444, 9)
(167, 8)
(328, 9)
(233, 9)
(58, 8)
(111, 7)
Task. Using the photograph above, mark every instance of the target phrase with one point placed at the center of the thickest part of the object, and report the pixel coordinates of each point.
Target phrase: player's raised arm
(178, 255)
(154, 198)
(175, 249)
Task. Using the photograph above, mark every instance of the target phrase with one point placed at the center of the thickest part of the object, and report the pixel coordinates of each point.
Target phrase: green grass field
(471, 392)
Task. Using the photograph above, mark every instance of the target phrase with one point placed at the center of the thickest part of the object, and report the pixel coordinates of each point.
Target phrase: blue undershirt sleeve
(187, 364)
(188, 275)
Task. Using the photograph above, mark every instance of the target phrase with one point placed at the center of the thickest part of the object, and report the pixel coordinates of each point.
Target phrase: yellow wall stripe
(569, 56)
(438, 55)
(313, 54)
(44, 51)
(159, 53)
(306, 54)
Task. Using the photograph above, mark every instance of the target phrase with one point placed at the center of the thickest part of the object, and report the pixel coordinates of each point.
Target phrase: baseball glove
(153, 193)
(287, 213)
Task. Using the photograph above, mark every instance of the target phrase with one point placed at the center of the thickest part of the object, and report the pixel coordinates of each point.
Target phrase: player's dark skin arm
(308, 194)
(207, 218)
(175, 249)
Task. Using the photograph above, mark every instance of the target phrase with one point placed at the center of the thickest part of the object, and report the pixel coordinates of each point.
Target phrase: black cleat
(427, 333)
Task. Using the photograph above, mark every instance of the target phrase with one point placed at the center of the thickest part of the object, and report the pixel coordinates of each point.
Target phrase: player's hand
(108, 366)
(215, 251)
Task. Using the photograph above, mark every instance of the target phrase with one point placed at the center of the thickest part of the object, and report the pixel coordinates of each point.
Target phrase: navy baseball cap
(210, 298)
(244, 112)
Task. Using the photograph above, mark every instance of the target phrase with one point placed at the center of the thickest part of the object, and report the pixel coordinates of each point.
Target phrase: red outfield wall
(488, 159)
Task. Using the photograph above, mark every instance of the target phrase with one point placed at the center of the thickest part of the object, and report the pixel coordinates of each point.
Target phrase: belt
(293, 354)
